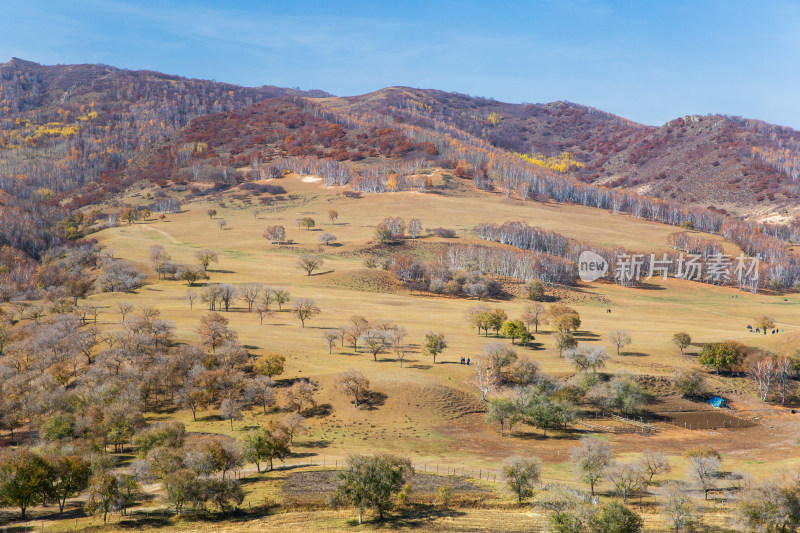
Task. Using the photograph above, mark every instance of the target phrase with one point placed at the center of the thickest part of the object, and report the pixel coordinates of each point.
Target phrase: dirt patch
(365, 280)
(707, 420)
(450, 403)
(324, 482)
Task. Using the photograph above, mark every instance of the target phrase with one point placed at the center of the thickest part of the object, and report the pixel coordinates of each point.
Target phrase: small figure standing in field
(467, 360)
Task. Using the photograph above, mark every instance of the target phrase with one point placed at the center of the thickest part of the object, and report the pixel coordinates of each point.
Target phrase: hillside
(215, 300)
(744, 166)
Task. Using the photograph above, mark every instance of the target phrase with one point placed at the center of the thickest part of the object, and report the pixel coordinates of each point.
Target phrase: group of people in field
(759, 330)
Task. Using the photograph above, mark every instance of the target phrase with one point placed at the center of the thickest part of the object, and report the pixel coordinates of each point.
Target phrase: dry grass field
(430, 412)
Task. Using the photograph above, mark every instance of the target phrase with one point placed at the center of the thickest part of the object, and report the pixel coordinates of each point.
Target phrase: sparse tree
(690, 383)
(205, 257)
(592, 459)
(307, 222)
(280, 296)
(211, 213)
(679, 508)
(305, 308)
(269, 365)
(124, 309)
(354, 384)
(533, 314)
(231, 409)
(265, 444)
(330, 336)
(275, 234)
(627, 478)
(521, 474)
(368, 482)
(682, 340)
(619, 338)
(222, 223)
(535, 289)
(333, 216)
(414, 227)
(702, 471)
(299, 396)
(309, 263)
(327, 238)
(654, 463)
(294, 424)
(435, 343)
(374, 340)
(765, 322)
(249, 292)
(565, 341)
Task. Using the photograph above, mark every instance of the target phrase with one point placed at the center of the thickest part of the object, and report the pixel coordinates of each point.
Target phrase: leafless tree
(275, 234)
(249, 292)
(654, 463)
(191, 296)
(305, 308)
(327, 238)
(619, 338)
(309, 263)
(414, 227)
(330, 336)
(354, 384)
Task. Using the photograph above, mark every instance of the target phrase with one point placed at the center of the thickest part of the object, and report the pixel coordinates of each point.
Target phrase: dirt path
(162, 232)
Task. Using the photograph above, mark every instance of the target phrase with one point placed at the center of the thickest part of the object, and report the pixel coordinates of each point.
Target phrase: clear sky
(647, 60)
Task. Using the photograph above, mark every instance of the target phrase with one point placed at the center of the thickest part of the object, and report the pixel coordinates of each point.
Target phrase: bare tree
(263, 312)
(305, 308)
(275, 234)
(375, 341)
(222, 223)
(627, 478)
(191, 296)
(327, 238)
(486, 375)
(592, 459)
(414, 227)
(299, 396)
(124, 308)
(654, 463)
(533, 314)
(762, 370)
(354, 384)
(620, 338)
(249, 292)
(679, 508)
(330, 336)
(309, 263)
(205, 257)
(702, 471)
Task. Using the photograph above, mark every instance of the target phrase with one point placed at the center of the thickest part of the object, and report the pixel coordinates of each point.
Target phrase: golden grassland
(420, 416)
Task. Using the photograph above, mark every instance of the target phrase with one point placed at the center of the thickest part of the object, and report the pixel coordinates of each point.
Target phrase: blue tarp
(716, 401)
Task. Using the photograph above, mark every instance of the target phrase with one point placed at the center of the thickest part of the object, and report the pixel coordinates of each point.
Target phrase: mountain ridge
(743, 166)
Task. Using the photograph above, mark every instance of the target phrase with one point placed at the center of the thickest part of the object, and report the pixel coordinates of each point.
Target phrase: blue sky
(647, 60)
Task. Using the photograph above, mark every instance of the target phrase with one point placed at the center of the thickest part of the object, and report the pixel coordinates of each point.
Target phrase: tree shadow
(415, 516)
(321, 273)
(373, 400)
(322, 443)
(322, 410)
(419, 366)
(634, 354)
